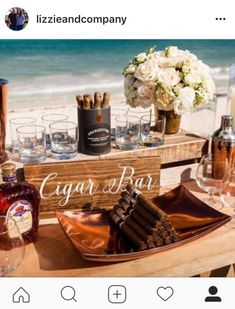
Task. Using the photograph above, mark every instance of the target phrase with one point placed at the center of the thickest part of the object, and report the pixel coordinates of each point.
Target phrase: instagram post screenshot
(117, 154)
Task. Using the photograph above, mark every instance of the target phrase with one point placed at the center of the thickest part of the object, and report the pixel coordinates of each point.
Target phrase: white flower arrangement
(173, 79)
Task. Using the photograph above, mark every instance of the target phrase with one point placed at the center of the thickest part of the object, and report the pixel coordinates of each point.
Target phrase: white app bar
(149, 19)
(128, 293)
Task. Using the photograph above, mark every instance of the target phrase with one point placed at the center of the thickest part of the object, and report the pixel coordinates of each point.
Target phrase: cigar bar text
(90, 187)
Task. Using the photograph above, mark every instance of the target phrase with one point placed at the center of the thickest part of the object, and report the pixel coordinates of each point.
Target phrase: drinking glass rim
(144, 111)
(47, 115)
(30, 125)
(127, 119)
(61, 122)
(15, 225)
(163, 118)
(18, 118)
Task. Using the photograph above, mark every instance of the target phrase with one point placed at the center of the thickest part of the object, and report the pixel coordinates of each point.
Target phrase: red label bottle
(19, 201)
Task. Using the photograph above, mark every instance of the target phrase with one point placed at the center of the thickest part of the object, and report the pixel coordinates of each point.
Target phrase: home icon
(21, 296)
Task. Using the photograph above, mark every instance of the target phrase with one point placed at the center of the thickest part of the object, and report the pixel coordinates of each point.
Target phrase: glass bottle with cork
(20, 201)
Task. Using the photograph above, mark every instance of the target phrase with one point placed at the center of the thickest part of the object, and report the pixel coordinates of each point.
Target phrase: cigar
(79, 99)
(87, 101)
(132, 224)
(145, 214)
(128, 198)
(140, 231)
(91, 102)
(132, 236)
(136, 227)
(167, 225)
(159, 242)
(98, 100)
(106, 100)
(168, 240)
(116, 219)
(163, 234)
(139, 219)
(150, 206)
(132, 190)
(155, 233)
(120, 212)
(128, 231)
(174, 235)
(124, 205)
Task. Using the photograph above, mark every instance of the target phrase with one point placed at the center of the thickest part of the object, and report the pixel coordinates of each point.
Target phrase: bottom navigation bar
(127, 292)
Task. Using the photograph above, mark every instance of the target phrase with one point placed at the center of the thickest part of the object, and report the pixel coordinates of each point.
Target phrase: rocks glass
(152, 132)
(140, 112)
(47, 120)
(64, 139)
(116, 112)
(15, 123)
(31, 143)
(127, 132)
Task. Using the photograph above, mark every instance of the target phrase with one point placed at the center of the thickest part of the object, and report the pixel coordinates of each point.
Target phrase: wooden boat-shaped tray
(94, 235)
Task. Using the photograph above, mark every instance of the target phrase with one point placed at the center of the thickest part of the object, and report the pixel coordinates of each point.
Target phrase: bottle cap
(8, 169)
(227, 121)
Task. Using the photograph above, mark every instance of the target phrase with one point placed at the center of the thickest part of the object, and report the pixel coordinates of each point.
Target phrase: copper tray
(99, 240)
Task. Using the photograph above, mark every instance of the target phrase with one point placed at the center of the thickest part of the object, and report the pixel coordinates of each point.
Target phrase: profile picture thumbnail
(16, 19)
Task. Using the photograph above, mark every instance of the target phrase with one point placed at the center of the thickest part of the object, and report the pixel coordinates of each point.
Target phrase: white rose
(168, 77)
(145, 95)
(141, 57)
(172, 51)
(185, 100)
(176, 56)
(193, 77)
(147, 71)
(130, 69)
(164, 62)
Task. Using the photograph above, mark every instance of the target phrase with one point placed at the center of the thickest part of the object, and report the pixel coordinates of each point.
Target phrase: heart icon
(165, 292)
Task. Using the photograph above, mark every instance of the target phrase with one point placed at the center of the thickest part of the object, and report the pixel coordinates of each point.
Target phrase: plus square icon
(117, 294)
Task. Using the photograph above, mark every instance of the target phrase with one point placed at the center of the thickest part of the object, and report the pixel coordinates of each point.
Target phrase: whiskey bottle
(20, 201)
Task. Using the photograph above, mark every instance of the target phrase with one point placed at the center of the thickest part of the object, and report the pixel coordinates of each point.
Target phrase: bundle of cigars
(98, 102)
(141, 221)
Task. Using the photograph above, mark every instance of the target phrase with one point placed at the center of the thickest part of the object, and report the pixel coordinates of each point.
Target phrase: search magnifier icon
(68, 293)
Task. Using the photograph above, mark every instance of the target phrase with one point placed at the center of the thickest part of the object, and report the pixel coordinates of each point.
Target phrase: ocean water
(52, 72)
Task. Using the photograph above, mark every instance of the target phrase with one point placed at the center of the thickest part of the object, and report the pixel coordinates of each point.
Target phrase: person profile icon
(213, 298)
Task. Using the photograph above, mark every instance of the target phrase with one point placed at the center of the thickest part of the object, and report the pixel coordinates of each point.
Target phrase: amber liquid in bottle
(19, 201)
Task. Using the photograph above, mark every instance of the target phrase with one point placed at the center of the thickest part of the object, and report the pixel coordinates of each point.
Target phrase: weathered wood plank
(177, 147)
(95, 183)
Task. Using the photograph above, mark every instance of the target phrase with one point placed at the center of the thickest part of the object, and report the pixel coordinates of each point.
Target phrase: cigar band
(134, 192)
(121, 224)
(133, 202)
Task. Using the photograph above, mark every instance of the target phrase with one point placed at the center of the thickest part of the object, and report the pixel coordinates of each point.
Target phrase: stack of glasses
(31, 140)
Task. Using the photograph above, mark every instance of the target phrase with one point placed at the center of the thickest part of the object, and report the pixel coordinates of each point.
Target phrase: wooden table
(54, 256)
